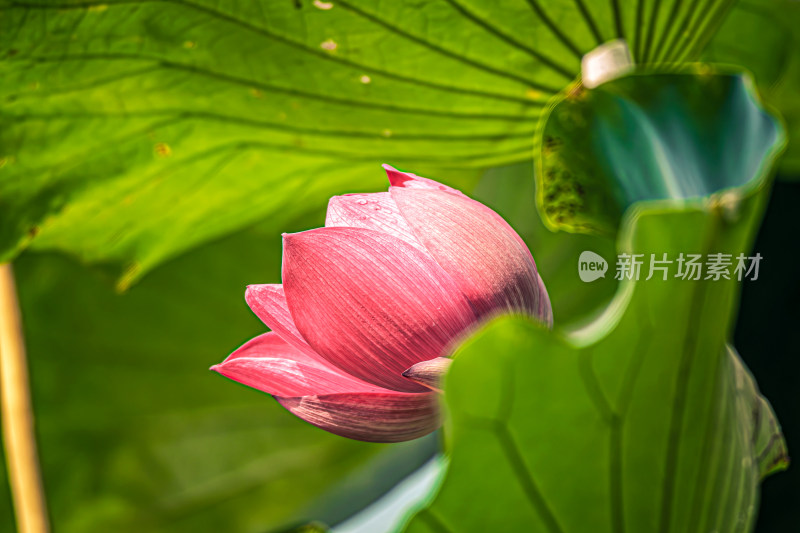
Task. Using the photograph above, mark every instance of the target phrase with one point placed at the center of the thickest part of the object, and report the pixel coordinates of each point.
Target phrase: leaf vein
(433, 521)
(688, 355)
(564, 71)
(524, 476)
(590, 22)
(245, 82)
(320, 54)
(592, 386)
(277, 126)
(448, 53)
(554, 29)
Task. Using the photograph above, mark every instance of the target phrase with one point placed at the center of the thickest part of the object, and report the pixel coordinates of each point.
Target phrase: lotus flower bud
(394, 279)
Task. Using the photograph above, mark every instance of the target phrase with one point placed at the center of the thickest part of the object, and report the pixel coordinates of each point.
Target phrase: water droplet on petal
(361, 202)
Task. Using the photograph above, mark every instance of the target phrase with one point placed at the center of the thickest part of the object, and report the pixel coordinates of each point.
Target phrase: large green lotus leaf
(649, 136)
(509, 190)
(133, 130)
(644, 420)
(136, 434)
(763, 36)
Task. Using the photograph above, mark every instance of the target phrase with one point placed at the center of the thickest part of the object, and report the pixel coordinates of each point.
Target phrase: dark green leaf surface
(644, 420)
(133, 130)
(136, 434)
(649, 137)
(764, 37)
(313, 527)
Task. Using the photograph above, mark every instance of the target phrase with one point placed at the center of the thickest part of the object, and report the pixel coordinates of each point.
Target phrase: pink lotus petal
(270, 364)
(370, 211)
(545, 309)
(373, 417)
(268, 302)
(487, 259)
(408, 180)
(412, 181)
(370, 303)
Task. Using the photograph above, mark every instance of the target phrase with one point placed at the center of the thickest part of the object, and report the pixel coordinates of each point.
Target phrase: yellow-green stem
(15, 404)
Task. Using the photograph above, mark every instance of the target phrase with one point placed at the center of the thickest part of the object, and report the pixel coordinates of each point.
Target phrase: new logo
(591, 266)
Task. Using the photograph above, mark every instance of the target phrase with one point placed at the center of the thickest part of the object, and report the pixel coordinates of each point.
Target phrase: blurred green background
(151, 153)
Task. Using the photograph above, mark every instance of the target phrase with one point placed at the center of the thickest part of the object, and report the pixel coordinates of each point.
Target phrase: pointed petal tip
(396, 177)
(270, 364)
(291, 239)
(429, 373)
(295, 243)
(251, 294)
(215, 368)
(299, 235)
(294, 236)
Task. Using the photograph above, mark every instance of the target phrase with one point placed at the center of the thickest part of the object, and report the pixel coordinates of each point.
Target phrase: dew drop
(361, 202)
(365, 79)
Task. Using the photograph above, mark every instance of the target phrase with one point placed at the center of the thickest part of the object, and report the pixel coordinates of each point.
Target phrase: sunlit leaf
(131, 131)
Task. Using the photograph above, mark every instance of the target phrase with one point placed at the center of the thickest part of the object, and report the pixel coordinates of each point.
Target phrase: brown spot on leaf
(163, 150)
